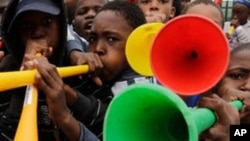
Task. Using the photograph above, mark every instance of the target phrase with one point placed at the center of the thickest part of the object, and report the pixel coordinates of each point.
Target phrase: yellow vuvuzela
(16, 79)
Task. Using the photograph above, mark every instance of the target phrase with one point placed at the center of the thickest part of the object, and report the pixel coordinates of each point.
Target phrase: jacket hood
(12, 38)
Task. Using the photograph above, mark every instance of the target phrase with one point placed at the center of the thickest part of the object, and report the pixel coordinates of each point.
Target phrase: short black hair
(131, 12)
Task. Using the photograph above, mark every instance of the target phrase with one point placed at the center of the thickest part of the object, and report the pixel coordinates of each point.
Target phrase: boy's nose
(246, 85)
(90, 14)
(235, 16)
(154, 5)
(38, 33)
(100, 48)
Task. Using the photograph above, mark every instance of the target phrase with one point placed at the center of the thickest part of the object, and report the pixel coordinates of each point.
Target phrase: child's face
(84, 15)
(154, 8)
(208, 11)
(240, 12)
(184, 3)
(238, 73)
(40, 26)
(108, 38)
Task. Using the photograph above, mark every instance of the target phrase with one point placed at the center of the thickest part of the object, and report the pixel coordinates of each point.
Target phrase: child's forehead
(36, 14)
(241, 58)
(110, 24)
(110, 15)
(202, 6)
(242, 50)
(208, 11)
(240, 6)
(242, 54)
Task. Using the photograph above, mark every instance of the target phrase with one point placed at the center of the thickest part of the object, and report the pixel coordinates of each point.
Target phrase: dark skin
(107, 47)
(226, 115)
(240, 14)
(235, 84)
(157, 10)
(84, 15)
(108, 41)
(48, 80)
(106, 55)
(37, 37)
(85, 12)
(35, 29)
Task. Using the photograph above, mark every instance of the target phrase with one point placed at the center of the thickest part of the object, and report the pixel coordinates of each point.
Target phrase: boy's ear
(172, 12)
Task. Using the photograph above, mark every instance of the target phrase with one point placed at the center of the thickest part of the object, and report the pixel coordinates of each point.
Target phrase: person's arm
(51, 84)
(70, 127)
(75, 44)
(242, 35)
(91, 112)
(87, 135)
(75, 130)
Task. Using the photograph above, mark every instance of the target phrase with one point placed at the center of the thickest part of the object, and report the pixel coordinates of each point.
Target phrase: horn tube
(149, 112)
(15, 79)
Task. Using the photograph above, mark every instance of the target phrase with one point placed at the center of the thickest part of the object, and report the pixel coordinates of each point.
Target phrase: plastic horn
(29, 110)
(15, 79)
(189, 60)
(149, 112)
(231, 30)
(28, 120)
(138, 47)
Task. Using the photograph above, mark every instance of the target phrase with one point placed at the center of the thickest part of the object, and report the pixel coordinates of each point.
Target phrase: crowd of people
(94, 32)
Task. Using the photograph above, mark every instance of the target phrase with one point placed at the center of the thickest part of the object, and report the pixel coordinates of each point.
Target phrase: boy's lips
(88, 25)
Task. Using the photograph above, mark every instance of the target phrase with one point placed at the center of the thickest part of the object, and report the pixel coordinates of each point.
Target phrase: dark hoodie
(10, 116)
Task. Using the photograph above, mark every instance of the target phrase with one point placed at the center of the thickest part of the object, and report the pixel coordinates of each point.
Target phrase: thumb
(97, 80)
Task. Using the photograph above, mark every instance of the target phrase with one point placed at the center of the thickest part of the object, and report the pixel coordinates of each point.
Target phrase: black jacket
(12, 100)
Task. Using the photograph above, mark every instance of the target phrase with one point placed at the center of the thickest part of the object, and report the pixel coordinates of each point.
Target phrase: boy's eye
(145, 1)
(111, 39)
(237, 76)
(164, 1)
(97, 8)
(26, 26)
(82, 11)
(47, 21)
(91, 39)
